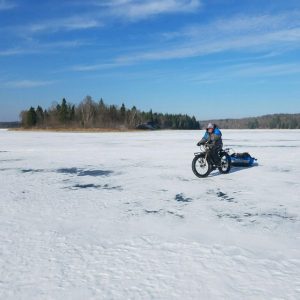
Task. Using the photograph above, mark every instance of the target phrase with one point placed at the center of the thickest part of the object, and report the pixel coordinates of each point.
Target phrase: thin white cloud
(27, 83)
(247, 70)
(96, 67)
(136, 10)
(34, 47)
(64, 24)
(202, 47)
(242, 33)
(266, 70)
(11, 52)
(99, 13)
(6, 5)
(248, 34)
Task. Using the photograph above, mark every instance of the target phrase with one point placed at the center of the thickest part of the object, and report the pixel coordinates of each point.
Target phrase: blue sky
(209, 58)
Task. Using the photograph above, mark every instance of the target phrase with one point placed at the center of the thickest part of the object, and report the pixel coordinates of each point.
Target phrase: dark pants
(214, 154)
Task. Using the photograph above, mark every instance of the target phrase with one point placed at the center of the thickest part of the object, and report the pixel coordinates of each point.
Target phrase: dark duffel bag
(242, 159)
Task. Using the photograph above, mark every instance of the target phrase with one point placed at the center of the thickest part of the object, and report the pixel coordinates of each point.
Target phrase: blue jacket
(214, 138)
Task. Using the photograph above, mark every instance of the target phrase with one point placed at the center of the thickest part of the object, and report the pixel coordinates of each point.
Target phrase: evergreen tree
(63, 112)
(72, 113)
(123, 113)
(40, 115)
(150, 116)
(31, 119)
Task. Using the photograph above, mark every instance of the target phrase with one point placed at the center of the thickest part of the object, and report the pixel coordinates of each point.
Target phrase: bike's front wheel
(200, 166)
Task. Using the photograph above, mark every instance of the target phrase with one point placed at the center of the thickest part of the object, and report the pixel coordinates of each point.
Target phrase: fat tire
(195, 170)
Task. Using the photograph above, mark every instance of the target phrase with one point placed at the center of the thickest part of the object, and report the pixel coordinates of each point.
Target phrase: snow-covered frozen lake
(122, 216)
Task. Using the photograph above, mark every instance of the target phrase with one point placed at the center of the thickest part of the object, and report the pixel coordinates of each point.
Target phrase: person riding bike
(213, 138)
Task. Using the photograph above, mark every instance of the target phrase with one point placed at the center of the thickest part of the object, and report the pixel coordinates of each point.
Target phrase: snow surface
(122, 216)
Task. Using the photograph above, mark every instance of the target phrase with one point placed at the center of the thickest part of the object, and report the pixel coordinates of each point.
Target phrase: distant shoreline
(74, 130)
(108, 130)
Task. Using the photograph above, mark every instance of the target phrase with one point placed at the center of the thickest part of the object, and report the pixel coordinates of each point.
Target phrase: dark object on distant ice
(95, 173)
(81, 172)
(73, 171)
(182, 198)
(147, 126)
(32, 170)
(242, 159)
(68, 171)
(152, 211)
(86, 186)
(95, 186)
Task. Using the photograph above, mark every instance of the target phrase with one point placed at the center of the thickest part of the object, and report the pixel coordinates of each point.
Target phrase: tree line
(9, 124)
(97, 114)
(276, 121)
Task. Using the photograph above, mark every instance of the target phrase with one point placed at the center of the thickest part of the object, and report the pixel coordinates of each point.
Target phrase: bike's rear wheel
(225, 163)
(201, 167)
